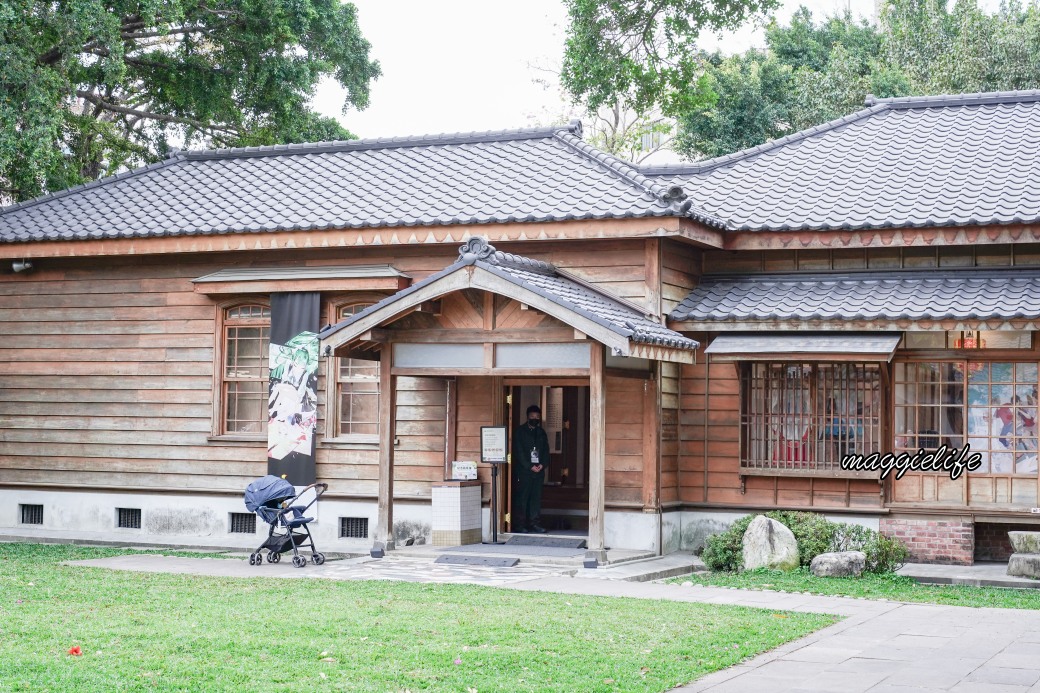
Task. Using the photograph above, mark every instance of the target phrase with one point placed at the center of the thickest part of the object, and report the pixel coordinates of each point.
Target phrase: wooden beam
(461, 336)
(350, 239)
(597, 459)
(377, 335)
(451, 419)
(652, 283)
(520, 372)
(290, 285)
(489, 311)
(385, 504)
(651, 445)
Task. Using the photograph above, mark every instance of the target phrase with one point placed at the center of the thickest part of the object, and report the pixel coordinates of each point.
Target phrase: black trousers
(528, 506)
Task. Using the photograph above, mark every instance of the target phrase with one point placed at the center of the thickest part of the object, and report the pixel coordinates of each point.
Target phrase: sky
(473, 65)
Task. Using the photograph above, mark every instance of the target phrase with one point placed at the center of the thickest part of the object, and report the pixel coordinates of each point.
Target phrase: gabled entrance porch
(492, 317)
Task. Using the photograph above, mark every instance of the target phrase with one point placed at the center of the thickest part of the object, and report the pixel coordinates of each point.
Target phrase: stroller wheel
(318, 558)
(252, 559)
(274, 557)
(299, 561)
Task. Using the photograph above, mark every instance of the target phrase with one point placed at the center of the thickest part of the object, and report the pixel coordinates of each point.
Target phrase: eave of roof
(944, 294)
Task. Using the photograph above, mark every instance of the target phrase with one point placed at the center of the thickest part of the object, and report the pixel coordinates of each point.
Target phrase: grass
(141, 631)
(885, 586)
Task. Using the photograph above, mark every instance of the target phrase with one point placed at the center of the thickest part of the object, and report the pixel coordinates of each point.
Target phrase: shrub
(815, 535)
(813, 531)
(724, 551)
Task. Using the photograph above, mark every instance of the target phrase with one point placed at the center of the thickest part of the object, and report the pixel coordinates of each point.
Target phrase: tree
(813, 73)
(752, 105)
(642, 54)
(91, 86)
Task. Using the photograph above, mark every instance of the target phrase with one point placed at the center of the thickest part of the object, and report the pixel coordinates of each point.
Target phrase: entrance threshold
(527, 555)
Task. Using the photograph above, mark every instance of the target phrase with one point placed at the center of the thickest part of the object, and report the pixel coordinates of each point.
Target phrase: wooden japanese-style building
(705, 340)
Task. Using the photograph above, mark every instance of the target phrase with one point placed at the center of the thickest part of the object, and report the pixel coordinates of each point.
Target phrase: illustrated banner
(292, 404)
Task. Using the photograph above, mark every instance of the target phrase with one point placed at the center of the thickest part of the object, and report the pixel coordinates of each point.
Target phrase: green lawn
(889, 586)
(142, 631)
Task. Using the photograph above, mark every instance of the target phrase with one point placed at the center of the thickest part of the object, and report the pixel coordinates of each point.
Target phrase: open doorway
(565, 417)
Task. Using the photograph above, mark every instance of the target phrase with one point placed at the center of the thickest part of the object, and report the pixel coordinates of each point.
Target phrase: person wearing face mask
(530, 458)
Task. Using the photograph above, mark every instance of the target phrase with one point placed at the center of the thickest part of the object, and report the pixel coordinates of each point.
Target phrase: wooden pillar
(651, 442)
(597, 459)
(384, 538)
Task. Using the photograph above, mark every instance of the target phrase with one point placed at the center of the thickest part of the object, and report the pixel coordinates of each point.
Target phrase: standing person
(530, 458)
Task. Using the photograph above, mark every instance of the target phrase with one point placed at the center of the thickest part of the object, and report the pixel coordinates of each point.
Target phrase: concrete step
(647, 569)
(978, 575)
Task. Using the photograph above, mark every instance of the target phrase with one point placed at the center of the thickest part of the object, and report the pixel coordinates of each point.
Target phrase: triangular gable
(602, 317)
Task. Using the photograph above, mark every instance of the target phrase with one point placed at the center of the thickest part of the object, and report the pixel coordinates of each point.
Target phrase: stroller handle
(319, 488)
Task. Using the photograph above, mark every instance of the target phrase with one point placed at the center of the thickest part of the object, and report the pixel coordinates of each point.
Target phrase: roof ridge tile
(474, 137)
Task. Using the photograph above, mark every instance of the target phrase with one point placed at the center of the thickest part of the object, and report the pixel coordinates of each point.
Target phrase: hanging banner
(292, 405)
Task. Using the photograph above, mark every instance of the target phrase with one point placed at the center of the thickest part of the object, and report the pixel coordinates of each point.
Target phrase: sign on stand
(494, 450)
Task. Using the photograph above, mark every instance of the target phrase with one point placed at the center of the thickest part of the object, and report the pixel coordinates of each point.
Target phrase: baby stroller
(274, 500)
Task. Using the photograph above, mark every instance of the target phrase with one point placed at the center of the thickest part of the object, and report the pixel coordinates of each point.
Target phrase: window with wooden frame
(245, 341)
(803, 418)
(992, 406)
(356, 392)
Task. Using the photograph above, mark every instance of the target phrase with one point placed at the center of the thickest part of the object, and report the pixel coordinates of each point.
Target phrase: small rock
(839, 564)
(687, 584)
(1025, 542)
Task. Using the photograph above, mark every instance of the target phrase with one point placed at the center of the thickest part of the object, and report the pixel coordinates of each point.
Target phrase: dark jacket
(525, 440)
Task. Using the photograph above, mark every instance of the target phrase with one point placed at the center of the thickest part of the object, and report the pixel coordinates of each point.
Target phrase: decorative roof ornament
(476, 248)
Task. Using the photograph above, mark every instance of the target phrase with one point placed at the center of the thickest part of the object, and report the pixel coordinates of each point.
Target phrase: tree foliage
(90, 86)
(812, 72)
(642, 54)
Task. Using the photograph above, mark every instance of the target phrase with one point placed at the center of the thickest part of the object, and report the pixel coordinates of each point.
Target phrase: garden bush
(815, 535)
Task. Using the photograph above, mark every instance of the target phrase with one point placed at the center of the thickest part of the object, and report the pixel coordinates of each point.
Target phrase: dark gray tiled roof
(553, 285)
(771, 344)
(543, 174)
(969, 294)
(969, 159)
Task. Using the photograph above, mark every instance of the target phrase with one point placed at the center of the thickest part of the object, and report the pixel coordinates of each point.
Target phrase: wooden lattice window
(990, 406)
(357, 391)
(244, 379)
(802, 418)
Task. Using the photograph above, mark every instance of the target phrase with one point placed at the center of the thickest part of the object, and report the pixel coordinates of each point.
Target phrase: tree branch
(162, 117)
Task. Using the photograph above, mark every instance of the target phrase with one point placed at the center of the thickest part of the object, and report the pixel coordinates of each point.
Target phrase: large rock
(769, 544)
(1025, 542)
(1024, 565)
(839, 564)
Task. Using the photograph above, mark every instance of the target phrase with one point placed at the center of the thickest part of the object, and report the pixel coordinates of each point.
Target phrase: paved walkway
(880, 647)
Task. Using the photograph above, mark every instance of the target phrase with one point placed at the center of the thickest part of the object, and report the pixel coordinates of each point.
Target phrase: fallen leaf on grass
(327, 659)
(608, 680)
(643, 671)
(76, 651)
(779, 616)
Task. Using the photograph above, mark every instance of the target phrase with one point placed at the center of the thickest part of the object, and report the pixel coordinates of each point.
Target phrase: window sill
(238, 438)
(352, 442)
(809, 471)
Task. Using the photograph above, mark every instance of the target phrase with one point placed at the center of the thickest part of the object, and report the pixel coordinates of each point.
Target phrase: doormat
(552, 542)
(483, 561)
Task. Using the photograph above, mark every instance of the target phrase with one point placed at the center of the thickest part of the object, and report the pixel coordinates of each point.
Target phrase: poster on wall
(292, 405)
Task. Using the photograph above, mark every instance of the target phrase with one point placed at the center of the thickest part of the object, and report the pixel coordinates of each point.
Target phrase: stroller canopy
(263, 491)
